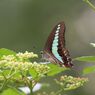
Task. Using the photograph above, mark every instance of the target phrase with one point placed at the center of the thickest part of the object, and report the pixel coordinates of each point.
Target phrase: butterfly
(54, 49)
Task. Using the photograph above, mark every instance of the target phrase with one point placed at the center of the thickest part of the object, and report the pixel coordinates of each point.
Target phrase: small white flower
(26, 55)
(8, 57)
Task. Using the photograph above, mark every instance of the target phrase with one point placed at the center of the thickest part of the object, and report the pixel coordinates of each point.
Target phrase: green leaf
(5, 72)
(4, 51)
(86, 58)
(33, 73)
(55, 69)
(12, 92)
(89, 70)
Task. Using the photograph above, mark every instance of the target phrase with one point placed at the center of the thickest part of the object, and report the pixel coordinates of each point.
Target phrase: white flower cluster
(18, 62)
(26, 55)
(70, 82)
(41, 68)
(8, 58)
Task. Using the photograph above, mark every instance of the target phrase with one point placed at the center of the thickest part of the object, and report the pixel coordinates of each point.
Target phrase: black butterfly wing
(54, 49)
(47, 52)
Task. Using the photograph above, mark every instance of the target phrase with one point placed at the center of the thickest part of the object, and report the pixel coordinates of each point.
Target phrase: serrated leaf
(4, 51)
(89, 70)
(86, 58)
(55, 69)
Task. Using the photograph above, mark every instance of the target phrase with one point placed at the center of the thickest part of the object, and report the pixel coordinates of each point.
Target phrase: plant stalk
(90, 4)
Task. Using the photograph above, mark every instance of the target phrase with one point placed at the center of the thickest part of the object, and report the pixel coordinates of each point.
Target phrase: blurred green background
(26, 24)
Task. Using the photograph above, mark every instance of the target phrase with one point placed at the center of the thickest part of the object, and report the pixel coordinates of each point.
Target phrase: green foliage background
(25, 25)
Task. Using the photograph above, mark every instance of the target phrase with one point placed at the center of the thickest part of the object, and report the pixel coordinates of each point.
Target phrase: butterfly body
(54, 49)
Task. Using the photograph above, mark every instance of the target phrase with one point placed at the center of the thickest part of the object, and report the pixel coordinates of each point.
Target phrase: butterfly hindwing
(54, 49)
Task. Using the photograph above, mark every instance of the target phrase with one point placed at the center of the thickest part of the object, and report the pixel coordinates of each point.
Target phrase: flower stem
(31, 87)
(58, 92)
(3, 85)
(90, 4)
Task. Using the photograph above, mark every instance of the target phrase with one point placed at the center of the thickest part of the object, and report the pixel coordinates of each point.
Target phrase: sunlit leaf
(11, 92)
(86, 58)
(5, 72)
(89, 70)
(4, 51)
(33, 73)
(55, 69)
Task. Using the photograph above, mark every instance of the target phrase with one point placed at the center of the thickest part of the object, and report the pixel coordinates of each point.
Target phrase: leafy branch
(90, 69)
(17, 71)
(90, 4)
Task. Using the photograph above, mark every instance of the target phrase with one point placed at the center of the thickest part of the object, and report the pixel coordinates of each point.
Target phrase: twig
(90, 4)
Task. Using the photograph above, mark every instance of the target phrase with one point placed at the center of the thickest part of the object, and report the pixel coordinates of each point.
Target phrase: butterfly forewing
(54, 49)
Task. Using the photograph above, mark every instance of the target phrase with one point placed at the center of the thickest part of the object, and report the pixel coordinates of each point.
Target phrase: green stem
(6, 79)
(58, 92)
(90, 4)
(9, 76)
(10, 71)
(62, 89)
(28, 82)
(31, 87)
(3, 85)
(31, 92)
(4, 76)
